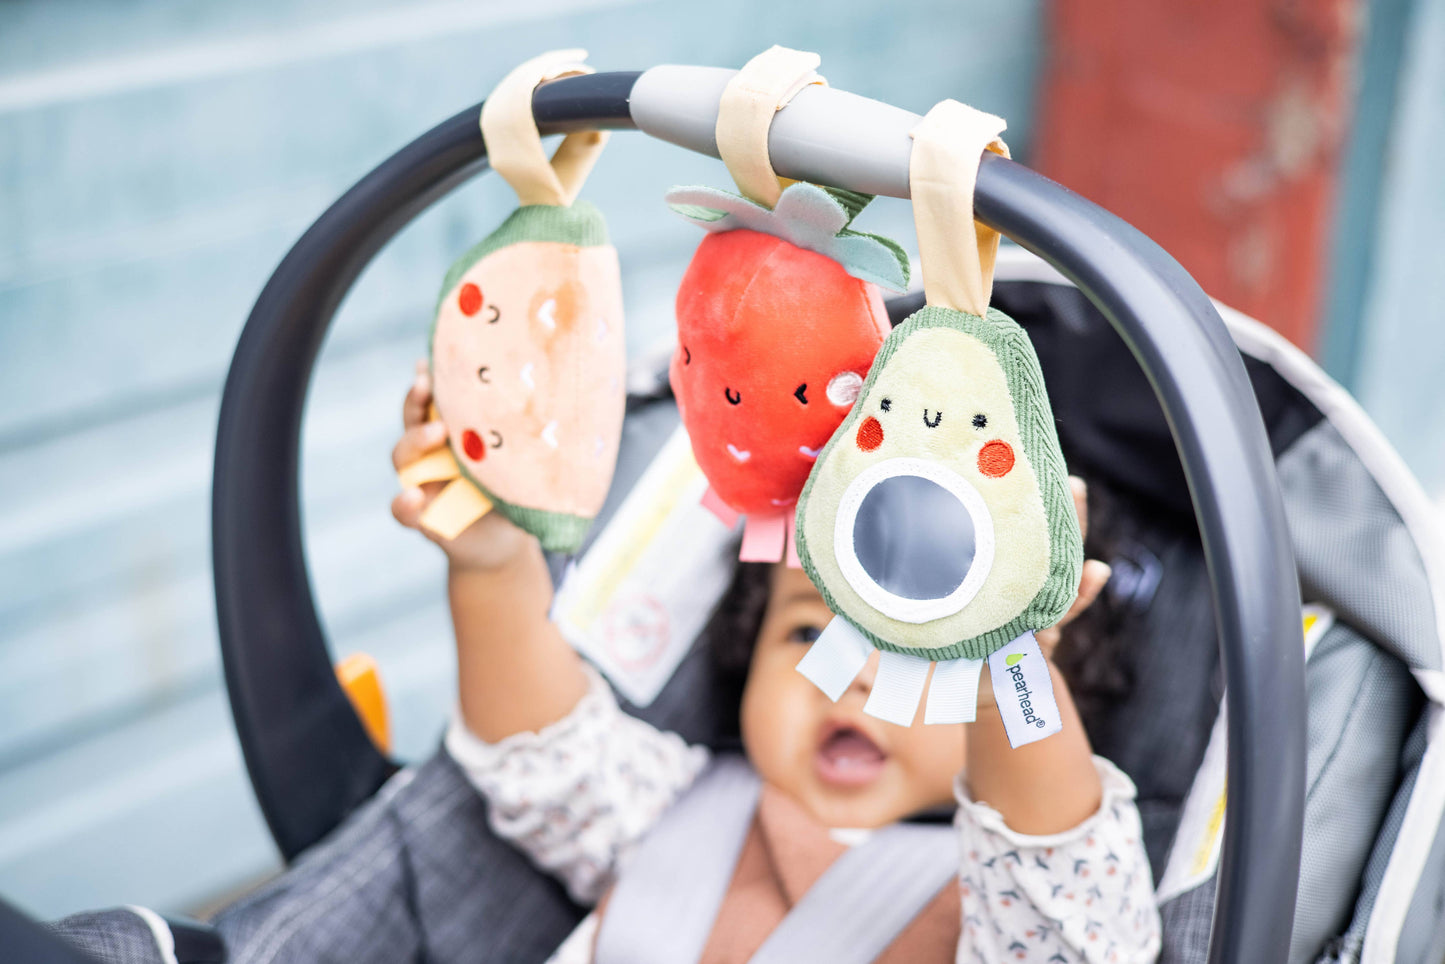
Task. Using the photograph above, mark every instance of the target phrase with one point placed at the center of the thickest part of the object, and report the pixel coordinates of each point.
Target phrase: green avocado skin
(1015, 353)
(580, 224)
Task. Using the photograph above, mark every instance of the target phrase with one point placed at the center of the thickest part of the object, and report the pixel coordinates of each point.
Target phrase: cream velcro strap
(760, 89)
(957, 252)
(514, 146)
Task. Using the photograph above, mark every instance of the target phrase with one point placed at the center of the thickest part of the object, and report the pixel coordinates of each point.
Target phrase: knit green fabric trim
(557, 531)
(1025, 379)
(579, 224)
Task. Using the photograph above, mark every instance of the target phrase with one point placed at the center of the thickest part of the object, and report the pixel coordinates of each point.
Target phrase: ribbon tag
(835, 658)
(897, 688)
(953, 691)
(1024, 692)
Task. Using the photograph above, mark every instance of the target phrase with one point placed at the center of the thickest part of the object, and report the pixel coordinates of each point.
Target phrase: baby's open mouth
(847, 757)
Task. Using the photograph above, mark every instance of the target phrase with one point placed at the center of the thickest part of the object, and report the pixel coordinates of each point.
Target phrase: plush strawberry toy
(779, 317)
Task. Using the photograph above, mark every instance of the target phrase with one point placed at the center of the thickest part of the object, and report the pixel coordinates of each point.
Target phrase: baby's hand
(490, 542)
(1091, 580)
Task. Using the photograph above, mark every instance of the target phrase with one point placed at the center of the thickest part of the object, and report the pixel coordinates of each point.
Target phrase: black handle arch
(312, 772)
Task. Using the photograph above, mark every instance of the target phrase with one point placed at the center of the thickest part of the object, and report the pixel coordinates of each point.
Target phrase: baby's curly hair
(733, 628)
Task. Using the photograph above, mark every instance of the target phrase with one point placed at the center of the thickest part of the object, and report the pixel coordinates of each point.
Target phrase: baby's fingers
(408, 506)
(418, 399)
(416, 442)
(1091, 582)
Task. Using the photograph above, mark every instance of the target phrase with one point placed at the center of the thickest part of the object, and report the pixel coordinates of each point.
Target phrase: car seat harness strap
(666, 903)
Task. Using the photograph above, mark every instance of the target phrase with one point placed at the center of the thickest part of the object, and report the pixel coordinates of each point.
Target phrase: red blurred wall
(1216, 128)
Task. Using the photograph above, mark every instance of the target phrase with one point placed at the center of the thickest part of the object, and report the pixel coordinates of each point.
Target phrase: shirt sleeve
(1084, 895)
(577, 795)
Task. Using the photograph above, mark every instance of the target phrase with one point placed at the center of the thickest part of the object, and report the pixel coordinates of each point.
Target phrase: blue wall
(156, 160)
(1400, 353)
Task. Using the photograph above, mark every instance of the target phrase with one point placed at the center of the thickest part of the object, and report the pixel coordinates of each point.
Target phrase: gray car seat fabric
(1353, 549)
(414, 875)
(1348, 947)
(118, 936)
(1158, 735)
(1355, 556)
(1361, 699)
(1422, 940)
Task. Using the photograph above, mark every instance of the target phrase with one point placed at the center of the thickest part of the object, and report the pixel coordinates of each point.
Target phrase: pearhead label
(1024, 691)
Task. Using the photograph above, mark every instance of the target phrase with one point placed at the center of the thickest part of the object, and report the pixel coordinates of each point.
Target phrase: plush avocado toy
(939, 517)
(938, 522)
(528, 358)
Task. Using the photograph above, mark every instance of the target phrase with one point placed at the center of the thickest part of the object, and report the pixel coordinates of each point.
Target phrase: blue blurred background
(157, 159)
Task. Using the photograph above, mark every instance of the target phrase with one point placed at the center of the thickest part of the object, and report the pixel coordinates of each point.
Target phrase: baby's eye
(886, 404)
(980, 421)
(805, 634)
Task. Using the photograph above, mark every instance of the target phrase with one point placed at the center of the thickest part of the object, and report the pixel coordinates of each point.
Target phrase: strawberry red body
(764, 328)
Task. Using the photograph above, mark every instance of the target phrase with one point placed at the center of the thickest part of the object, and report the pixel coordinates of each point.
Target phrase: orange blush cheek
(870, 434)
(996, 459)
(472, 445)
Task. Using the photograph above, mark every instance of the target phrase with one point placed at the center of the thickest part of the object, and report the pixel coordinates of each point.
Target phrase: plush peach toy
(527, 351)
(527, 363)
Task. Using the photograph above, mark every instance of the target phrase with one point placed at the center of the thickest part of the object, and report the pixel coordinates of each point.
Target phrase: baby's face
(847, 769)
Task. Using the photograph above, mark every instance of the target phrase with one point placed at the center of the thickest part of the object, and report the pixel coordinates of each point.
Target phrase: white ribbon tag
(836, 657)
(1024, 692)
(897, 688)
(953, 691)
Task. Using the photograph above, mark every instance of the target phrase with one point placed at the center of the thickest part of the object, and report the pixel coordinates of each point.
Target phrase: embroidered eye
(805, 634)
(801, 393)
(496, 315)
(734, 398)
(496, 439)
(482, 375)
(980, 421)
(886, 404)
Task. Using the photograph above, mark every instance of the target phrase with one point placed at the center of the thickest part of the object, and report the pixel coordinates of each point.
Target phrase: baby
(1051, 863)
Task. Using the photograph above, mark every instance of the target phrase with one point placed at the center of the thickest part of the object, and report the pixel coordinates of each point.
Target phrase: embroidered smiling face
(774, 342)
(925, 522)
(527, 356)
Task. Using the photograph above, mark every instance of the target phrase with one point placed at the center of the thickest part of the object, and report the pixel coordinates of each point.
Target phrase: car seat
(1250, 461)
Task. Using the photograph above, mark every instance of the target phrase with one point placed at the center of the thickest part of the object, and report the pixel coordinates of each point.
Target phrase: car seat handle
(309, 757)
